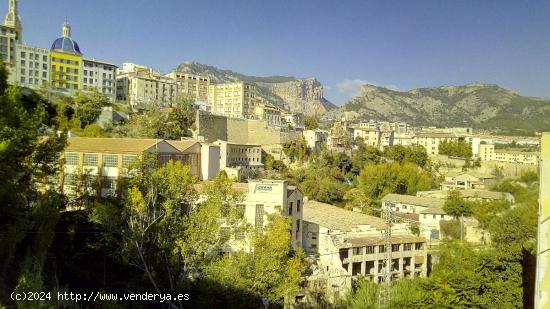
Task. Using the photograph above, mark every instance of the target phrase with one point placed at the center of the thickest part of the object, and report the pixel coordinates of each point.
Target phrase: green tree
(455, 205)
(310, 123)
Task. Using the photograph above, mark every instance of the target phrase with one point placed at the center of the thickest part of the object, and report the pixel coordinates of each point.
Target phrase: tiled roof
(413, 200)
(336, 218)
(111, 145)
(372, 241)
(183, 145)
(433, 211)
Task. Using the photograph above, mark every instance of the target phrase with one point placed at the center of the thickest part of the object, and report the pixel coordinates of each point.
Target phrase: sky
(400, 45)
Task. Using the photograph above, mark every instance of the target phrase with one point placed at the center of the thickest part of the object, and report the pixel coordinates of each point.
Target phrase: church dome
(65, 43)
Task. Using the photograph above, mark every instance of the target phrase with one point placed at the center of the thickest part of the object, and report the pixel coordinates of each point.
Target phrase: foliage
(455, 205)
(365, 296)
(461, 149)
(451, 229)
(270, 270)
(415, 154)
(296, 150)
(88, 106)
(310, 123)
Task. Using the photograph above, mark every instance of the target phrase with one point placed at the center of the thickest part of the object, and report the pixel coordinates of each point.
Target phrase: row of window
(91, 159)
(33, 56)
(66, 61)
(382, 248)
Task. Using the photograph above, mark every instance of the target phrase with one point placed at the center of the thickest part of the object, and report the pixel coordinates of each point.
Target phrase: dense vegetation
(461, 149)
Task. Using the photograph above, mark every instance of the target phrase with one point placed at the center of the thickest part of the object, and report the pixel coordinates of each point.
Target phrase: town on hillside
(122, 179)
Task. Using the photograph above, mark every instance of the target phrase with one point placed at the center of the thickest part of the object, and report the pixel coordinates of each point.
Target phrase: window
(69, 179)
(71, 158)
(23, 55)
(357, 251)
(314, 235)
(109, 185)
(381, 249)
(418, 246)
(370, 249)
(407, 247)
(90, 159)
(395, 247)
(298, 202)
(434, 216)
(290, 208)
(110, 160)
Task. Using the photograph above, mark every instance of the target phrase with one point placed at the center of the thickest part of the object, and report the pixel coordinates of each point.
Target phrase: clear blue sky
(398, 44)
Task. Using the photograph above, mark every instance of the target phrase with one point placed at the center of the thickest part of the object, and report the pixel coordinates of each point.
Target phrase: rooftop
(336, 218)
(414, 200)
(183, 145)
(113, 145)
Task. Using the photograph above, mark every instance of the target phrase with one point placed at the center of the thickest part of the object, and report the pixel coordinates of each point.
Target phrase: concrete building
(315, 139)
(210, 161)
(266, 197)
(268, 112)
(239, 155)
(11, 33)
(294, 120)
(517, 157)
(144, 88)
(232, 99)
(100, 76)
(467, 180)
(431, 140)
(371, 136)
(190, 84)
(403, 139)
(348, 245)
(99, 164)
(32, 66)
(542, 285)
(471, 195)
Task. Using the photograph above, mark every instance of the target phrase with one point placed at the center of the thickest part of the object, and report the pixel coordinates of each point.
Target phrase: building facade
(232, 99)
(100, 76)
(348, 245)
(190, 84)
(32, 66)
(65, 63)
(542, 283)
(11, 33)
(144, 88)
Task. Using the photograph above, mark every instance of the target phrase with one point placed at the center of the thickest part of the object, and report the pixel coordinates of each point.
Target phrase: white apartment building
(232, 99)
(431, 140)
(193, 85)
(99, 75)
(349, 244)
(32, 66)
(315, 139)
(369, 133)
(143, 88)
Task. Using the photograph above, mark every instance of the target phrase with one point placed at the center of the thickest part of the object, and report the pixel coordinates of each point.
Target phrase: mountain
(484, 106)
(299, 95)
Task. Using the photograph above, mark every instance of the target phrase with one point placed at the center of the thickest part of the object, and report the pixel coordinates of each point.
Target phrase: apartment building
(370, 135)
(32, 66)
(239, 155)
(517, 157)
(144, 88)
(11, 33)
(348, 245)
(190, 84)
(98, 165)
(232, 99)
(65, 63)
(100, 76)
(431, 140)
(268, 112)
(467, 181)
(315, 139)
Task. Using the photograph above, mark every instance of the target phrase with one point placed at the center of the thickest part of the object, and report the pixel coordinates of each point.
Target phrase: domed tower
(66, 62)
(13, 20)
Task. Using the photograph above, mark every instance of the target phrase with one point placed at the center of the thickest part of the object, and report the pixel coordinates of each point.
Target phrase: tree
(88, 106)
(461, 149)
(457, 206)
(310, 123)
(270, 270)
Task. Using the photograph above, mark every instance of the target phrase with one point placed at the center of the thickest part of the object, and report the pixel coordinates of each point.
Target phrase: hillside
(482, 106)
(301, 95)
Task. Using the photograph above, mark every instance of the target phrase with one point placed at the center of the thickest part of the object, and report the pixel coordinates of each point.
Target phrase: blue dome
(66, 44)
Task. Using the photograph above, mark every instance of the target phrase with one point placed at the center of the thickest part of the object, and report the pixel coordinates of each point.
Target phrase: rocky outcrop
(297, 95)
(477, 105)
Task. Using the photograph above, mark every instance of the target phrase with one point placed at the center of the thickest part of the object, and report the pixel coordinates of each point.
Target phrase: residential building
(144, 88)
(410, 204)
(98, 165)
(471, 195)
(100, 76)
(32, 66)
(268, 112)
(11, 33)
(431, 140)
(65, 63)
(403, 139)
(348, 245)
(486, 152)
(190, 84)
(315, 139)
(294, 120)
(467, 180)
(341, 136)
(240, 160)
(517, 157)
(542, 281)
(371, 136)
(266, 197)
(232, 99)
(210, 161)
